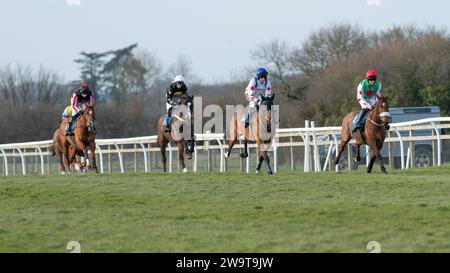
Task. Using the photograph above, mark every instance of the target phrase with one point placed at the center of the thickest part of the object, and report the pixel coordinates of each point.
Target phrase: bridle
(89, 123)
(267, 113)
(379, 116)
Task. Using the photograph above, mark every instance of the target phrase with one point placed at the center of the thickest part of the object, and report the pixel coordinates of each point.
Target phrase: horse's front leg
(187, 150)
(62, 167)
(162, 149)
(380, 157)
(260, 161)
(375, 153)
(266, 157)
(380, 160)
(181, 155)
(83, 148)
(342, 145)
(92, 157)
(357, 155)
(69, 154)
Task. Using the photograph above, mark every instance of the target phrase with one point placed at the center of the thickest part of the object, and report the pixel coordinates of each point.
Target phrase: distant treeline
(316, 80)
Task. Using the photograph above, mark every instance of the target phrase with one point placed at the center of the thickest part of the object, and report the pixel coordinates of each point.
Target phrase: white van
(422, 148)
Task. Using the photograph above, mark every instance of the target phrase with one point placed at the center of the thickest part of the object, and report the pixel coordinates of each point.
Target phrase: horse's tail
(51, 150)
(234, 127)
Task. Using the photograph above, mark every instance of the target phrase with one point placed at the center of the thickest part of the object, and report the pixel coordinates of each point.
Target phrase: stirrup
(166, 128)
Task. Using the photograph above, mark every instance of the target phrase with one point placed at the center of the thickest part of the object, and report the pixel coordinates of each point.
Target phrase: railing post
(100, 156)
(24, 169)
(316, 148)
(120, 158)
(336, 167)
(306, 141)
(275, 154)
(438, 135)
(402, 149)
(6, 161)
(170, 156)
(42, 159)
(145, 157)
(292, 154)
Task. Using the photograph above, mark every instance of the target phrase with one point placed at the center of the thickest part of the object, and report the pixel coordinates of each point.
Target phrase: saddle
(363, 121)
(72, 126)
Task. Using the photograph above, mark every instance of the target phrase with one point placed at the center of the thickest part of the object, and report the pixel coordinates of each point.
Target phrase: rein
(383, 114)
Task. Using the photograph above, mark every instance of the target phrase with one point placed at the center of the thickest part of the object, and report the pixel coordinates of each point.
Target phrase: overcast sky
(217, 35)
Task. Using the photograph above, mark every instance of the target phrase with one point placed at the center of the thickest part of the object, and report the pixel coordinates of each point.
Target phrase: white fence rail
(318, 143)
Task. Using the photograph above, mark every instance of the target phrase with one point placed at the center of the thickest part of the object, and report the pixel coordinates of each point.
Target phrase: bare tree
(182, 66)
(328, 45)
(152, 65)
(275, 55)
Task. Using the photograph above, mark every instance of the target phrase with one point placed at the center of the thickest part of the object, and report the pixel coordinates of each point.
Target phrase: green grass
(405, 211)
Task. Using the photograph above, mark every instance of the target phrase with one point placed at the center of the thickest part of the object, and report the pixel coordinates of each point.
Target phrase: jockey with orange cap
(366, 94)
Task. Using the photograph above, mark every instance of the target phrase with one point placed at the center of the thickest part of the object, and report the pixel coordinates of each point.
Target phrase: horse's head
(88, 117)
(177, 99)
(382, 105)
(266, 103)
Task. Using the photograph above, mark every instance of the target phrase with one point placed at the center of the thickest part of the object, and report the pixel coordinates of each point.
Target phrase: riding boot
(95, 129)
(358, 124)
(167, 120)
(68, 128)
(247, 122)
(387, 126)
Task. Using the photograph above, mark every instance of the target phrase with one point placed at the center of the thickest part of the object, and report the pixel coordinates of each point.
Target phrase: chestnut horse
(84, 135)
(181, 115)
(58, 147)
(373, 134)
(260, 125)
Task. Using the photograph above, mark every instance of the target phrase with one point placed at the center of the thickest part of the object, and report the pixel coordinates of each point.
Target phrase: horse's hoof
(243, 155)
(63, 173)
(384, 171)
(257, 171)
(226, 156)
(270, 172)
(185, 170)
(189, 157)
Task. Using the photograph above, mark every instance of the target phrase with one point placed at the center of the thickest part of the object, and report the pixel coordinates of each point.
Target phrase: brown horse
(181, 115)
(58, 147)
(261, 131)
(373, 134)
(84, 135)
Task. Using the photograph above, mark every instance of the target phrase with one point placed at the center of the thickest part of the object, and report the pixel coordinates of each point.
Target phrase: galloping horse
(58, 148)
(373, 134)
(261, 131)
(181, 115)
(84, 135)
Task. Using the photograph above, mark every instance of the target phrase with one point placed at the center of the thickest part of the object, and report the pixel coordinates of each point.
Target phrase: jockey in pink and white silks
(366, 94)
(259, 85)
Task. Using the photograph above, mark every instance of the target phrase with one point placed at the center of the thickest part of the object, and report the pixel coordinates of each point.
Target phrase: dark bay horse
(84, 136)
(181, 117)
(373, 134)
(259, 130)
